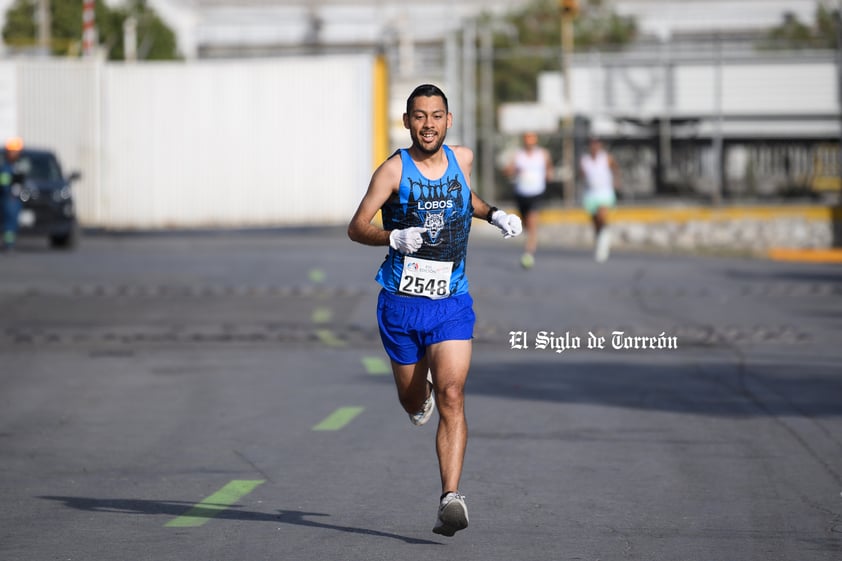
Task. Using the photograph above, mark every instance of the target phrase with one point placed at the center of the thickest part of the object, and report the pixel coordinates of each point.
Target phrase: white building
(663, 18)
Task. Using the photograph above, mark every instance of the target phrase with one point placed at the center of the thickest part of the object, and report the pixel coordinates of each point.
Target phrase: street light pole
(569, 10)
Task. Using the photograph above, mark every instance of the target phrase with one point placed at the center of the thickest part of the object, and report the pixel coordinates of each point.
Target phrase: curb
(687, 214)
(805, 255)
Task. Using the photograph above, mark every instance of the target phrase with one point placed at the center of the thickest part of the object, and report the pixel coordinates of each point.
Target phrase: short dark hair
(426, 90)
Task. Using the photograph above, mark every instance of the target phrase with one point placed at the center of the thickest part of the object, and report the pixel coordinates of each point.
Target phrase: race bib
(422, 277)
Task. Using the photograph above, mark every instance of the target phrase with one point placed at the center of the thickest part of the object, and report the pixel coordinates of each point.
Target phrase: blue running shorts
(409, 324)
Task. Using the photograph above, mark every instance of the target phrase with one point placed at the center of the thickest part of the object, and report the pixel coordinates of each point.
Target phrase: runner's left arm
(509, 224)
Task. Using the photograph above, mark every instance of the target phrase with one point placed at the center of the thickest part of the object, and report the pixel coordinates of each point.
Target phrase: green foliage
(156, 41)
(600, 27)
(531, 43)
(793, 34)
(20, 23)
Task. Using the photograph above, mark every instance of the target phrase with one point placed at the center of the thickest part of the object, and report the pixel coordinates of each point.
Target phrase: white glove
(407, 241)
(509, 224)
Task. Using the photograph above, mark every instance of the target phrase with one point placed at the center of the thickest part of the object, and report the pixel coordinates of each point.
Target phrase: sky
(657, 17)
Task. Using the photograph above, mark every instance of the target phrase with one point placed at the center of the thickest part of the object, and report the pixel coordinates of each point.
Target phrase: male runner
(424, 310)
(531, 168)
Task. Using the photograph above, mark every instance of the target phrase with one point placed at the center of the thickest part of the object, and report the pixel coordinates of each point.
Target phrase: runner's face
(428, 122)
(530, 140)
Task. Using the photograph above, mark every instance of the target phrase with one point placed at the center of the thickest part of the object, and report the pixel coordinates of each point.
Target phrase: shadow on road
(710, 388)
(179, 508)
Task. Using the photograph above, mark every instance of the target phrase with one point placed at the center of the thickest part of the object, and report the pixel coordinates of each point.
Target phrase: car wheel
(67, 240)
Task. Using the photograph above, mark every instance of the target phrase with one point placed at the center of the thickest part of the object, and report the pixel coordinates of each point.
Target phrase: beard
(426, 148)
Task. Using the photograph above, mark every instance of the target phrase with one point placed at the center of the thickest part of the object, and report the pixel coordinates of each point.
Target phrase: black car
(48, 208)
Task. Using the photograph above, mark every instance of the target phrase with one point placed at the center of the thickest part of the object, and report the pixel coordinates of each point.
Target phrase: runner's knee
(450, 397)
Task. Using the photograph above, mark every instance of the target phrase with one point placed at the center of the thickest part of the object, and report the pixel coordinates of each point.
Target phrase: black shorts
(525, 205)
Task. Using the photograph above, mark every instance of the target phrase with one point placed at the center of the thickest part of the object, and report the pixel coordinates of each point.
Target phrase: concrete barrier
(773, 231)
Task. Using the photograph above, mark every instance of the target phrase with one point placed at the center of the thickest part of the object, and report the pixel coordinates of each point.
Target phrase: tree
(531, 43)
(793, 34)
(826, 25)
(156, 40)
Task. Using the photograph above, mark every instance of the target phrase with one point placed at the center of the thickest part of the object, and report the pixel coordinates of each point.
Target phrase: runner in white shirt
(602, 176)
(531, 168)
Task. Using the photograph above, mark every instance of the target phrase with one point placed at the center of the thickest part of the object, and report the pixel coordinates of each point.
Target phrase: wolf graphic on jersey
(434, 223)
(434, 206)
(442, 207)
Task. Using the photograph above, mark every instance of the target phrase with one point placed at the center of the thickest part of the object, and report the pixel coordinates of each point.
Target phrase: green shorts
(592, 203)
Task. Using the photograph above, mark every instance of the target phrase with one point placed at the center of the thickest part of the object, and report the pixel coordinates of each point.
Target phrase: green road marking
(375, 365)
(322, 315)
(339, 418)
(317, 275)
(214, 504)
(327, 337)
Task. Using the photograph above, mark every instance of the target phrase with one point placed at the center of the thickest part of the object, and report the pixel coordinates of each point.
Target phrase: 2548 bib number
(416, 285)
(422, 277)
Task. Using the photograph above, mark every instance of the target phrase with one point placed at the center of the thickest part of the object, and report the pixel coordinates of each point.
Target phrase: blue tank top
(442, 206)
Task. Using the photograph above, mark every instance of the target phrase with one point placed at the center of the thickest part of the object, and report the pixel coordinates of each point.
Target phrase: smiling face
(427, 121)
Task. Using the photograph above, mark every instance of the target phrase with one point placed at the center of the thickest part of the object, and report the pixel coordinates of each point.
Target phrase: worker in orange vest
(10, 189)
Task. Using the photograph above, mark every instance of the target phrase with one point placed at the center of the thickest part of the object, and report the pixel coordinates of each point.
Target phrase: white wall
(228, 144)
(56, 107)
(775, 91)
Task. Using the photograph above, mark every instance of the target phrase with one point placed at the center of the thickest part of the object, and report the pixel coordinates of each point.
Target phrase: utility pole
(839, 95)
(469, 83)
(44, 25)
(569, 11)
(487, 111)
(718, 156)
(665, 129)
(130, 39)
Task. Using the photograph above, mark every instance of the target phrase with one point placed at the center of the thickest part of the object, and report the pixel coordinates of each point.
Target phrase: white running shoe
(453, 515)
(426, 412)
(603, 245)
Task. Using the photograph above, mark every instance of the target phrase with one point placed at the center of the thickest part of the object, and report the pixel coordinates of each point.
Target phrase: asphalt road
(224, 397)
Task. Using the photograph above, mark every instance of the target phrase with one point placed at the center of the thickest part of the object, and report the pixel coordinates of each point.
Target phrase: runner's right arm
(384, 183)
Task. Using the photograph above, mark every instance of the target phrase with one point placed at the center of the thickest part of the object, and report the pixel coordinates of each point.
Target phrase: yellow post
(380, 111)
